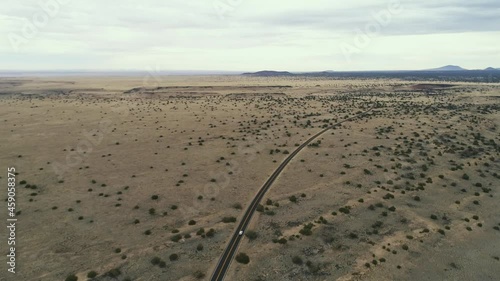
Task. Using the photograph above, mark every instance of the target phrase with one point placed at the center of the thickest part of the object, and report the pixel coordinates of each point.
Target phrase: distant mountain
(453, 70)
(316, 73)
(448, 68)
(267, 73)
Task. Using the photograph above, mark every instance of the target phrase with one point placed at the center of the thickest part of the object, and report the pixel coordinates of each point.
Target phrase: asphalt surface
(226, 258)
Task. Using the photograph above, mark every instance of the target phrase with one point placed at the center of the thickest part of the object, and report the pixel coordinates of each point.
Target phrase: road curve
(226, 258)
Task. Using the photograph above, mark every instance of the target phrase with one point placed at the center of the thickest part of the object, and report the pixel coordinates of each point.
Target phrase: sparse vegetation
(71, 277)
(92, 274)
(173, 257)
(250, 234)
(297, 260)
(417, 171)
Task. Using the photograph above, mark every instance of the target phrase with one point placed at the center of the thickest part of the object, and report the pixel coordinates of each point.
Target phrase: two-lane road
(231, 248)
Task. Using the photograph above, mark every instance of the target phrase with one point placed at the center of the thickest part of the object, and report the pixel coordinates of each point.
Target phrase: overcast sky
(248, 35)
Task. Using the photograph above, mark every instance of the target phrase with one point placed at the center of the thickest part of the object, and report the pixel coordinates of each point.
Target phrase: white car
(241, 233)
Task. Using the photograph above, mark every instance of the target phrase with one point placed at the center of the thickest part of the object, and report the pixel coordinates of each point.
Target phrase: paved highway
(229, 252)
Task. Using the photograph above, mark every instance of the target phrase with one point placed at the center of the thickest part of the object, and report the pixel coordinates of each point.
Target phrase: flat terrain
(146, 178)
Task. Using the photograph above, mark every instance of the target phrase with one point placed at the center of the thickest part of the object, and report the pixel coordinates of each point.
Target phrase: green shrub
(113, 273)
(211, 233)
(377, 224)
(91, 274)
(155, 260)
(388, 196)
(199, 275)
(260, 208)
(307, 229)
(252, 235)
(270, 213)
(228, 219)
(344, 210)
(243, 258)
(297, 260)
(173, 257)
(176, 238)
(71, 277)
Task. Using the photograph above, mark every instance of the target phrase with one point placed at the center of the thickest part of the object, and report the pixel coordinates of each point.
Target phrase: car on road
(241, 233)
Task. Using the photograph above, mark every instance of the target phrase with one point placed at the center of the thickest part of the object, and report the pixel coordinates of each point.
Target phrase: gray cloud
(252, 33)
(425, 17)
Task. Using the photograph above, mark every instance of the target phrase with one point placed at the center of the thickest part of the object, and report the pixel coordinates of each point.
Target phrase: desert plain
(146, 178)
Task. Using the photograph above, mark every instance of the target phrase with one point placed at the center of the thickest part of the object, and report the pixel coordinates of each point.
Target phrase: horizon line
(230, 71)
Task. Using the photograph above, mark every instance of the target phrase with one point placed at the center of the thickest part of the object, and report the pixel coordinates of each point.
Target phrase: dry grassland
(133, 178)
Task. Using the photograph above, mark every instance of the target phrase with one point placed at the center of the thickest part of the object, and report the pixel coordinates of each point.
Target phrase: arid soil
(143, 178)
